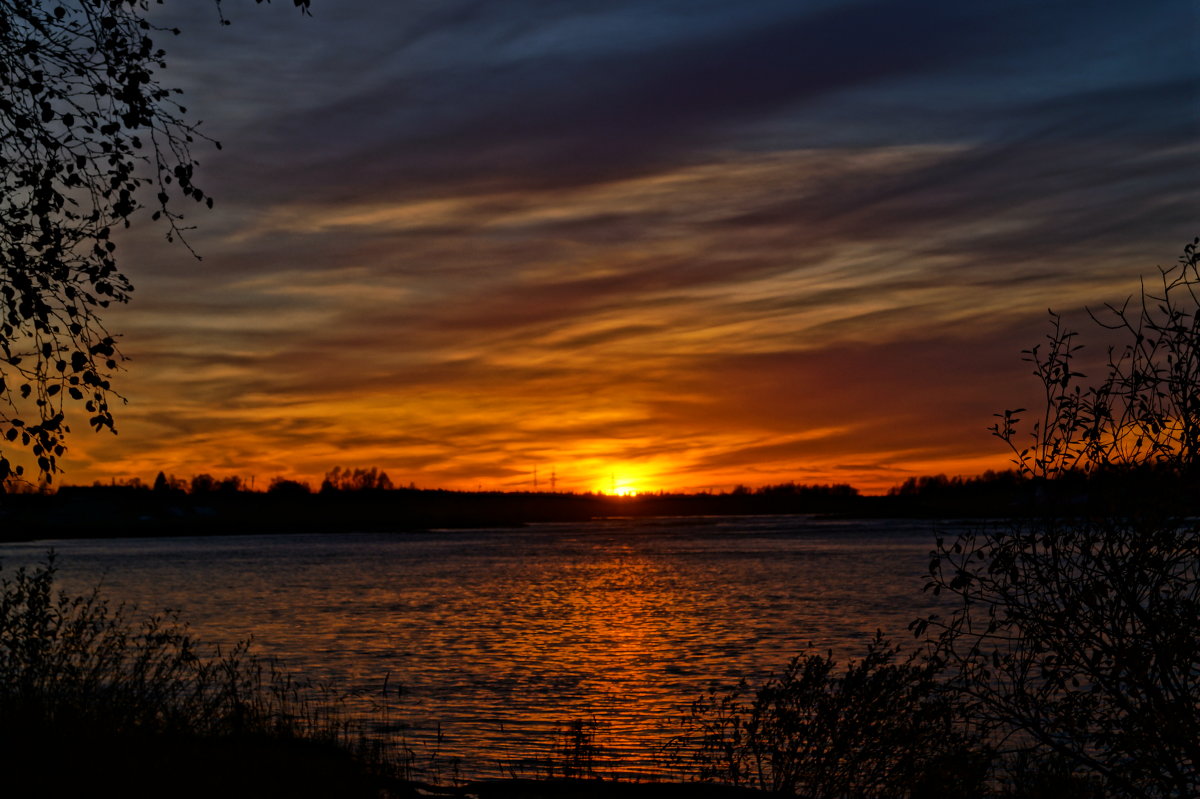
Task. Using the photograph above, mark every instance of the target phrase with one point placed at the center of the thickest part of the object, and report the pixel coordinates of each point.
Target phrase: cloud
(709, 242)
(540, 114)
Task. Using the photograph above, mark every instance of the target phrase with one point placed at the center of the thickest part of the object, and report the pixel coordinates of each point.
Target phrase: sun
(620, 486)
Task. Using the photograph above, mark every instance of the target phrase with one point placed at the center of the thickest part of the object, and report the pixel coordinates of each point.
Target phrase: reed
(90, 693)
(881, 729)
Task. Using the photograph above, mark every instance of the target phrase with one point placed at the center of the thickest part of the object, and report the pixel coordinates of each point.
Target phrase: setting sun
(621, 486)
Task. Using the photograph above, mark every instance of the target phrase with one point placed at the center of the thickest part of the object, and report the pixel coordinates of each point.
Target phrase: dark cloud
(554, 116)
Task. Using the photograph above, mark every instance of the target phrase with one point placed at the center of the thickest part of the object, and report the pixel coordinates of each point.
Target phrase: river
(498, 638)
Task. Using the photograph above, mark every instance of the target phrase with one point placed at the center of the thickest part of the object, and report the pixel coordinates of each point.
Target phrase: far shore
(226, 508)
(121, 511)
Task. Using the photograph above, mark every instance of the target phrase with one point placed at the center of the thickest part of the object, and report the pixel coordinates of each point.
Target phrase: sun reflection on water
(502, 638)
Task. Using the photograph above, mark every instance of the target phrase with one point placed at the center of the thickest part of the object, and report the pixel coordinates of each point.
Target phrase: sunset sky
(643, 243)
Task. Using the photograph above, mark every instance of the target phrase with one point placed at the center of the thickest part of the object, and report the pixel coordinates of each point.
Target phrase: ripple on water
(500, 637)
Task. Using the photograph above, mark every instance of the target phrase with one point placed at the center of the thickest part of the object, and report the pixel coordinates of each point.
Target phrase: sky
(642, 244)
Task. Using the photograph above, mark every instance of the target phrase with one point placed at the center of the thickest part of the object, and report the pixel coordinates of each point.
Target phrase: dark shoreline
(120, 512)
(567, 788)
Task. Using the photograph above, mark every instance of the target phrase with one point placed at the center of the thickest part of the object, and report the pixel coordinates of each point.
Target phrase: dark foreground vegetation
(1068, 664)
(90, 696)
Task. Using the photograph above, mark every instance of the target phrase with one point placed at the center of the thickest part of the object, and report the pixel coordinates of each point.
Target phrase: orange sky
(460, 251)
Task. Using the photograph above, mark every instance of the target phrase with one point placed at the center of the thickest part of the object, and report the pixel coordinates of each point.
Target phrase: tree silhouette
(1075, 636)
(339, 479)
(1145, 410)
(88, 137)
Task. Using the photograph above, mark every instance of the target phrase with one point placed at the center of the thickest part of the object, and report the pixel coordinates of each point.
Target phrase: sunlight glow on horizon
(622, 487)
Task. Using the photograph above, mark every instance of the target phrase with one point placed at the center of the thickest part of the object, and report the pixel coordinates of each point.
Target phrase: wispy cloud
(707, 243)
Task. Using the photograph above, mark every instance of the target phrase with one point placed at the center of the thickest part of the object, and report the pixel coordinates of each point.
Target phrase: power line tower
(553, 479)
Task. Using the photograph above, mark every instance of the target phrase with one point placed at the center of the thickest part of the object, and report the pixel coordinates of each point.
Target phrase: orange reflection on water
(502, 638)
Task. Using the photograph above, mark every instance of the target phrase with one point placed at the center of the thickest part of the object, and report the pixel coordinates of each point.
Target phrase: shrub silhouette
(1145, 409)
(880, 729)
(136, 704)
(1076, 633)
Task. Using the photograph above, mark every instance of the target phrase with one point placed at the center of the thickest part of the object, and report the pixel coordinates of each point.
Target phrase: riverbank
(585, 789)
(119, 511)
(258, 767)
(123, 511)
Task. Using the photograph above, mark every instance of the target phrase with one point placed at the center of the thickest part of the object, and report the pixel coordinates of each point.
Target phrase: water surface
(499, 637)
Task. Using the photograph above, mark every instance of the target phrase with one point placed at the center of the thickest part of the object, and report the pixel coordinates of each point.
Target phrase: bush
(880, 729)
(138, 703)
(1076, 636)
(1144, 411)
(1081, 638)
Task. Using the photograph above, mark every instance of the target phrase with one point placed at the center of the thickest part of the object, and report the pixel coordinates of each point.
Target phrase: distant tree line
(336, 480)
(991, 494)
(792, 489)
(374, 479)
(1080, 491)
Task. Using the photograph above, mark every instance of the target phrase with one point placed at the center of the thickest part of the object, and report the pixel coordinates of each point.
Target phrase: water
(499, 637)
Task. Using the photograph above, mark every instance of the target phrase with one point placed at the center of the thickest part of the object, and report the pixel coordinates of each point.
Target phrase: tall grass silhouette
(883, 727)
(138, 701)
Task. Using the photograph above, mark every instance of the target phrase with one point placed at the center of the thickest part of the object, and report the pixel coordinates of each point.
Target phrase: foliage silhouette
(881, 729)
(1075, 635)
(339, 479)
(280, 486)
(137, 702)
(1145, 410)
(88, 137)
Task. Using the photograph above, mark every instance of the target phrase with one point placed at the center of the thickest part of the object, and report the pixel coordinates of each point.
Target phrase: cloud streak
(700, 243)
